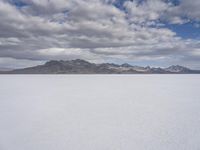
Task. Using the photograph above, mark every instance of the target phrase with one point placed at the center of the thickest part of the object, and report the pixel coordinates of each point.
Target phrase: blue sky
(140, 32)
(186, 31)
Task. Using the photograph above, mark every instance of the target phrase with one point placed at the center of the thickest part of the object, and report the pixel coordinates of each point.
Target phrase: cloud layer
(97, 30)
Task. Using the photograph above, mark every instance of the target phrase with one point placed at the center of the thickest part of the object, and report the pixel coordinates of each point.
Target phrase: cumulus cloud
(162, 10)
(143, 12)
(96, 30)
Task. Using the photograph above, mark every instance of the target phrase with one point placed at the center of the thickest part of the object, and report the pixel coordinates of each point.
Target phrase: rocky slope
(79, 66)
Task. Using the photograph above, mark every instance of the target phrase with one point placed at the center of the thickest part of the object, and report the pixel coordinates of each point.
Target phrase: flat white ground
(99, 112)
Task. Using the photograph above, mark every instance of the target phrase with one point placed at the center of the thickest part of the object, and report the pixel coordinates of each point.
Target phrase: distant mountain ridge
(80, 66)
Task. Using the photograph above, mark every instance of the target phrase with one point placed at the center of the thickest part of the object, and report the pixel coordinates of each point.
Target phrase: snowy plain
(99, 112)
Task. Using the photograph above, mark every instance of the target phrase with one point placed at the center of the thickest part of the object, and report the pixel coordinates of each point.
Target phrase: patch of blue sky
(18, 3)
(186, 31)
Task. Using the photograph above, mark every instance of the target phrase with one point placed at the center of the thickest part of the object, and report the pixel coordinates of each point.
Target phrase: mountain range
(79, 66)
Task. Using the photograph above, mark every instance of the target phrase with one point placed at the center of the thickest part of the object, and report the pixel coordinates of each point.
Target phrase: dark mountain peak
(109, 65)
(148, 67)
(52, 62)
(80, 61)
(126, 65)
(177, 68)
(76, 61)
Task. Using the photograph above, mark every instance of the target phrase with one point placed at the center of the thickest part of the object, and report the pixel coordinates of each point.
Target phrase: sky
(155, 33)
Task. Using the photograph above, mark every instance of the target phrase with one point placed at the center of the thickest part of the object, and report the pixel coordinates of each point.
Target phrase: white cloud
(154, 10)
(150, 10)
(190, 9)
(94, 30)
